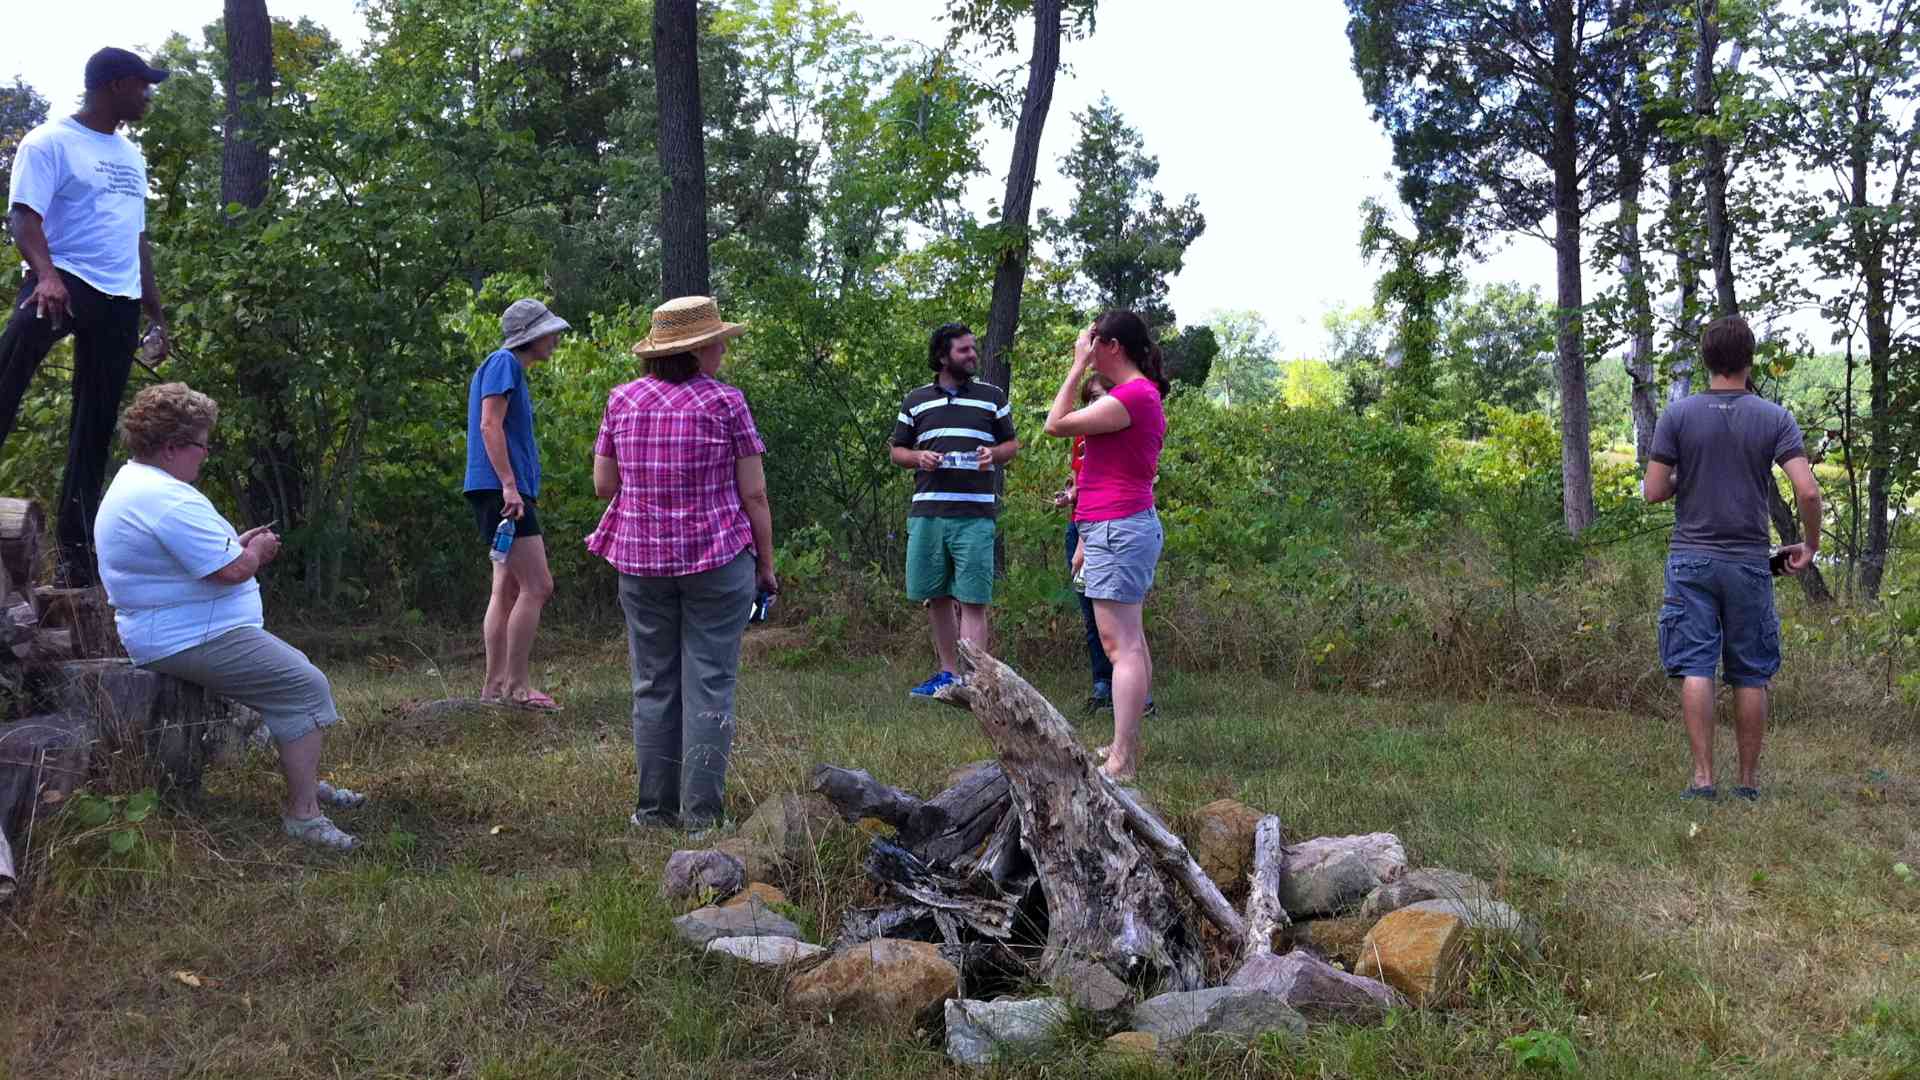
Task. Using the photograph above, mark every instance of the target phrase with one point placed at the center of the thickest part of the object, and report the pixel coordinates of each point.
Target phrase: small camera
(762, 607)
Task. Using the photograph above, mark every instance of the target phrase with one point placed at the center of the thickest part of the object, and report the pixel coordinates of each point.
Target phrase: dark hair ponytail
(1130, 330)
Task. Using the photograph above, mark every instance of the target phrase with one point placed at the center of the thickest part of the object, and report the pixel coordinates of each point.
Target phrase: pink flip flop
(535, 701)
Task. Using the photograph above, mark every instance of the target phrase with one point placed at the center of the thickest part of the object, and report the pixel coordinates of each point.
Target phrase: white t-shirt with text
(90, 190)
(158, 539)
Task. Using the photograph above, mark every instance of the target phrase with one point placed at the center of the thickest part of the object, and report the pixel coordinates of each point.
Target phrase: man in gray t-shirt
(1714, 454)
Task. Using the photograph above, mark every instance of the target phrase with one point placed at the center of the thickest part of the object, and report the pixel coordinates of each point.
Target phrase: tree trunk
(1576, 461)
(274, 482)
(684, 269)
(1631, 133)
(243, 161)
(1010, 271)
(1713, 169)
(1870, 256)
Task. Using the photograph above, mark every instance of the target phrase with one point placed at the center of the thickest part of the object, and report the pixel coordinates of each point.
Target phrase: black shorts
(486, 514)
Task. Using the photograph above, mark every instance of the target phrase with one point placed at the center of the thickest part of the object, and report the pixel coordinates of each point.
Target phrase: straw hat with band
(683, 325)
(528, 320)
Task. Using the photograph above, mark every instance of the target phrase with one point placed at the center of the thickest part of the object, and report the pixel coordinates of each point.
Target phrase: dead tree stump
(1107, 906)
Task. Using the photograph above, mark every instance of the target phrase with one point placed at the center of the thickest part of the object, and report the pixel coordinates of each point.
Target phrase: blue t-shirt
(501, 374)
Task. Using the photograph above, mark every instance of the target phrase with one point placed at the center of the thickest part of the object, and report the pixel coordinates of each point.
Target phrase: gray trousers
(683, 645)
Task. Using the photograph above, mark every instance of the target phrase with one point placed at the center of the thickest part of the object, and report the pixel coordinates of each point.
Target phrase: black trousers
(106, 330)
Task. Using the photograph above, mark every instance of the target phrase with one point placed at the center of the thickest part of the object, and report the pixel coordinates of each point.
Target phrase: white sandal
(338, 797)
(318, 831)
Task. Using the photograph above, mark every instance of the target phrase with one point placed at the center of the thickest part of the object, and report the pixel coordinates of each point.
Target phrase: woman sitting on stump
(186, 602)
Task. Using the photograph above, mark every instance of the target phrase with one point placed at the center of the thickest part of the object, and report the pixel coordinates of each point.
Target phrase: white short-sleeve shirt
(90, 190)
(158, 539)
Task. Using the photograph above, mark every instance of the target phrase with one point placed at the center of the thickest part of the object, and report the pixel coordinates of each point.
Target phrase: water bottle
(502, 541)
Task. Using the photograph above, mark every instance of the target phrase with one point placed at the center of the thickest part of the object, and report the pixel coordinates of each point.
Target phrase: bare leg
(493, 631)
(975, 626)
(1125, 639)
(1696, 708)
(946, 631)
(1749, 728)
(300, 764)
(527, 562)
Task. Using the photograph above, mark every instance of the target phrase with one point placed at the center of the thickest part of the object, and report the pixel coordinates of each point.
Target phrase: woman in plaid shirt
(690, 530)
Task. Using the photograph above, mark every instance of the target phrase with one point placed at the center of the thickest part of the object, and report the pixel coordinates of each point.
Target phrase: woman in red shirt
(1120, 534)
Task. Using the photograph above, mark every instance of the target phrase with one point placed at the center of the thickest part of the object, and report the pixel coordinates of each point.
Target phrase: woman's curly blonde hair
(171, 414)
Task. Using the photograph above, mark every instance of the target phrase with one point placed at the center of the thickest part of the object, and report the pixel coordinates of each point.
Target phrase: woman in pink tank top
(1120, 534)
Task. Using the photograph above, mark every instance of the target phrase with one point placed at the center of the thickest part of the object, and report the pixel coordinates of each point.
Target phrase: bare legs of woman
(1125, 640)
(300, 764)
(521, 586)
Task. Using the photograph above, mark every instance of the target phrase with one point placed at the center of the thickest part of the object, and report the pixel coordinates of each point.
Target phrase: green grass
(1772, 941)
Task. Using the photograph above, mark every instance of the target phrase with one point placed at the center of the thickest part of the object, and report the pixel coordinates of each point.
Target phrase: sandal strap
(344, 798)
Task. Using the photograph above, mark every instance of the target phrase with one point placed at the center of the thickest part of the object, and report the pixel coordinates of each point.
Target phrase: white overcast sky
(1250, 104)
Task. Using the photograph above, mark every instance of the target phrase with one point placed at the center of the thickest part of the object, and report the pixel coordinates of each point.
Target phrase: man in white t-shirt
(78, 212)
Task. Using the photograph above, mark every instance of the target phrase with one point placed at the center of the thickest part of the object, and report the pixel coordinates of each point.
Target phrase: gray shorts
(1121, 555)
(259, 670)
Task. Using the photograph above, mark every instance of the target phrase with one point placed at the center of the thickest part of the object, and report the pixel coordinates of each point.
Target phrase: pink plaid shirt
(678, 511)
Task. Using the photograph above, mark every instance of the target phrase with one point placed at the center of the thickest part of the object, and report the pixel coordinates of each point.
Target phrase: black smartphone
(1778, 562)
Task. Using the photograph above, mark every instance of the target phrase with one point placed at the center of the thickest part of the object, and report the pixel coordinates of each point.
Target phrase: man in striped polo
(953, 432)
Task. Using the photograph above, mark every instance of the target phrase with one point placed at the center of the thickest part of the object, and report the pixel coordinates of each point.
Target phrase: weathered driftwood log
(1180, 863)
(955, 823)
(46, 645)
(858, 795)
(1265, 914)
(1107, 905)
(908, 878)
(22, 525)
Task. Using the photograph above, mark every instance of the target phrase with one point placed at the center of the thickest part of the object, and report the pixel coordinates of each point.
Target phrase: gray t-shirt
(1722, 446)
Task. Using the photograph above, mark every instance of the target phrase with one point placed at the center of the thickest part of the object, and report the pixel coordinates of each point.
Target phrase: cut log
(1106, 902)
(43, 759)
(45, 646)
(955, 823)
(1265, 914)
(171, 728)
(21, 620)
(85, 615)
(858, 795)
(22, 529)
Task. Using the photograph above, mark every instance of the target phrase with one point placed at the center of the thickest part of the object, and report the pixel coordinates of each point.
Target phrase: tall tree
(1123, 234)
(684, 266)
(1246, 370)
(21, 110)
(995, 21)
(1633, 123)
(1849, 76)
(249, 86)
(1497, 128)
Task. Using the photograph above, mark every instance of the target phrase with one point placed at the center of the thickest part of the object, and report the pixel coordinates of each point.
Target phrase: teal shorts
(950, 556)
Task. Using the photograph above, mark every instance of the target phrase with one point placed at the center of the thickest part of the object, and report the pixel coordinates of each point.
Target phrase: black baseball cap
(109, 64)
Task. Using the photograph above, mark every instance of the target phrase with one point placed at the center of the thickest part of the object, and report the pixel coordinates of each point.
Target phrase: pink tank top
(1116, 480)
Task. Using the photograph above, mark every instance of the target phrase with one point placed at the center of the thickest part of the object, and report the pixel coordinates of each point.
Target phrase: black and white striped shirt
(971, 416)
